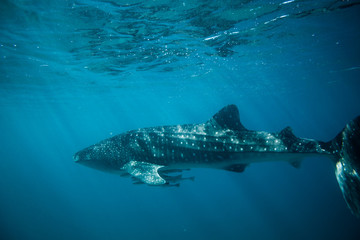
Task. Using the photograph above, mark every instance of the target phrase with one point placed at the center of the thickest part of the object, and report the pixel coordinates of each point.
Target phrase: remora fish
(150, 154)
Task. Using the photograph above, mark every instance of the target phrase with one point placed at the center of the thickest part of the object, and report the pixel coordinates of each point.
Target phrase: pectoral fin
(145, 172)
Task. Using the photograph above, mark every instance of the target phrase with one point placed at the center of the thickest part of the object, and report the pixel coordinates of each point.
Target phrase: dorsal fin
(288, 138)
(287, 132)
(227, 118)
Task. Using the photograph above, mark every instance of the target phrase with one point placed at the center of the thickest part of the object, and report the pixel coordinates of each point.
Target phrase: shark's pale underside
(152, 155)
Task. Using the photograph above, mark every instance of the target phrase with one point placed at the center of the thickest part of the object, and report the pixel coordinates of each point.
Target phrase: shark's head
(86, 155)
(91, 157)
(102, 156)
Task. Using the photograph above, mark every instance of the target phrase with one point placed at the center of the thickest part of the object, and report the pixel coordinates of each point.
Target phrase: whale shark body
(153, 155)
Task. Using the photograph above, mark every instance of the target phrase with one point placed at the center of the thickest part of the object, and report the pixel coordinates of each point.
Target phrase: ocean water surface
(75, 72)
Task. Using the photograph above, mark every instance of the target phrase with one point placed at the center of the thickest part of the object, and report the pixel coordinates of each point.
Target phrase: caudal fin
(346, 148)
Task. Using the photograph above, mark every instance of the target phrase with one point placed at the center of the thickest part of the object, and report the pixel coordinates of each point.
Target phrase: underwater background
(77, 71)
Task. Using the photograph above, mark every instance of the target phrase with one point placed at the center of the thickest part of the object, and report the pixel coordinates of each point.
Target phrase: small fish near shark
(153, 155)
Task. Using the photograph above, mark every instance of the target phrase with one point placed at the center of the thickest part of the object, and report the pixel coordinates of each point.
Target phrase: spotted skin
(222, 142)
(153, 155)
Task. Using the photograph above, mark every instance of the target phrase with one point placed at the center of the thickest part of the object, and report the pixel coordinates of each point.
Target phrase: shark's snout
(76, 157)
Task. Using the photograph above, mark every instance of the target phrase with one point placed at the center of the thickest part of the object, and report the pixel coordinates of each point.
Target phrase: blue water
(75, 72)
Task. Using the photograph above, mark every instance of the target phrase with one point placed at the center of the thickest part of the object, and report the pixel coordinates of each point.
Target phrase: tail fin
(346, 148)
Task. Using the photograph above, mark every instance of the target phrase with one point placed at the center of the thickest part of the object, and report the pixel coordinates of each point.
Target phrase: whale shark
(158, 156)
